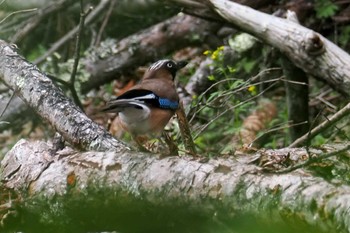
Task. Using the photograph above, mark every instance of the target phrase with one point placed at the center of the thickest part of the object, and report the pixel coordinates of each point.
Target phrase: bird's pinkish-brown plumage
(138, 110)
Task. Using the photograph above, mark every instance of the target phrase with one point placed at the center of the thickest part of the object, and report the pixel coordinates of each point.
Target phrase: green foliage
(217, 113)
(63, 70)
(319, 140)
(325, 9)
(248, 64)
(36, 52)
(344, 36)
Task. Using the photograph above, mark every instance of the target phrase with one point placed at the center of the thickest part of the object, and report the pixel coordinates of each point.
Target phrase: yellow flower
(206, 52)
(220, 48)
(252, 89)
(215, 54)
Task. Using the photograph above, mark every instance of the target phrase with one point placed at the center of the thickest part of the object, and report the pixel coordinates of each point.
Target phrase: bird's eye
(169, 65)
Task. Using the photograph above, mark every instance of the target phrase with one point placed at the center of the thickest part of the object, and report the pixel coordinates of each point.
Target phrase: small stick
(77, 56)
(185, 130)
(105, 21)
(313, 160)
(90, 18)
(323, 126)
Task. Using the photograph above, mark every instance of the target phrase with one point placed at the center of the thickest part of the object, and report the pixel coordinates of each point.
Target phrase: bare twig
(231, 108)
(8, 103)
(77, 55)
(26, 26)
(313, 160)
(276, 129)
(238, 89)
(105, 21)
(185, 130)
(91, 17)
(17, 12)
(323, 126)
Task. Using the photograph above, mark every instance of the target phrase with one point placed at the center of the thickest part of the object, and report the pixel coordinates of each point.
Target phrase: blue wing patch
(166, 103)
(150, 98)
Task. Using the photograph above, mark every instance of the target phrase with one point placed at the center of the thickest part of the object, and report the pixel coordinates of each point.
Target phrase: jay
(146, 108)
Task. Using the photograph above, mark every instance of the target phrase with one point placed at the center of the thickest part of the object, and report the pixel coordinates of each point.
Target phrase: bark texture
(171, 190)
(306, 48)
(39, 92)
(148, 45)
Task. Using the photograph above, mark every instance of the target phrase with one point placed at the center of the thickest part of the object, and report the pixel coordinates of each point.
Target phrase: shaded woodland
(262, 135)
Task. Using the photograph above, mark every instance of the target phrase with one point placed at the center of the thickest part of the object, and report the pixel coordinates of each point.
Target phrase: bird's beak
(181, 64)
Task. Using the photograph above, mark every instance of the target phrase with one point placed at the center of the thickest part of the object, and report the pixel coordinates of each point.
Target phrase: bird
(146, 108)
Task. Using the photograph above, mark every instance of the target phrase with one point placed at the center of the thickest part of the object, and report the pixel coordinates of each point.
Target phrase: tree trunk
(135, 192)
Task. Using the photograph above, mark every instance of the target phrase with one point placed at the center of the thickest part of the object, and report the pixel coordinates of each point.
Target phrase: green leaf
(325, 9)
(211, 77)
(248, 65)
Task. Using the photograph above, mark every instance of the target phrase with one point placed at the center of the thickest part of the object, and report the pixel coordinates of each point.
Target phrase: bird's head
(167, 66)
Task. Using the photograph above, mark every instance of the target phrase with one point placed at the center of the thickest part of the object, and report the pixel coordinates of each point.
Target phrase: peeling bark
(167, 191)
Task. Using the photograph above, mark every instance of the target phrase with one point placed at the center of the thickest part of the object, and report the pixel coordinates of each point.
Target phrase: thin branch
(105, 21)
(236, 90)
(185, 130)
(313, 160)
(231, 108)
(323, 126)
(277, 128)
(77, 55)
(17, 12)
(99, 8)
(8, 103)
(24, 27)
(58, 80)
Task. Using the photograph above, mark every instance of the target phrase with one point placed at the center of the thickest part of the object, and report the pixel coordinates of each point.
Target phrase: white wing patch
(158, 64)
(136, 119)
(135, 115)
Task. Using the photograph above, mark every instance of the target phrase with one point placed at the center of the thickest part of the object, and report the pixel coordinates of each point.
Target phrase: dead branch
(39, 92)
(150, 44)
(341, 151)
(323, 126)
(185, 130)
(16, 114)
(297, 94)
(307, 49)
(70, 35)
(165, 192)
(28, 25)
